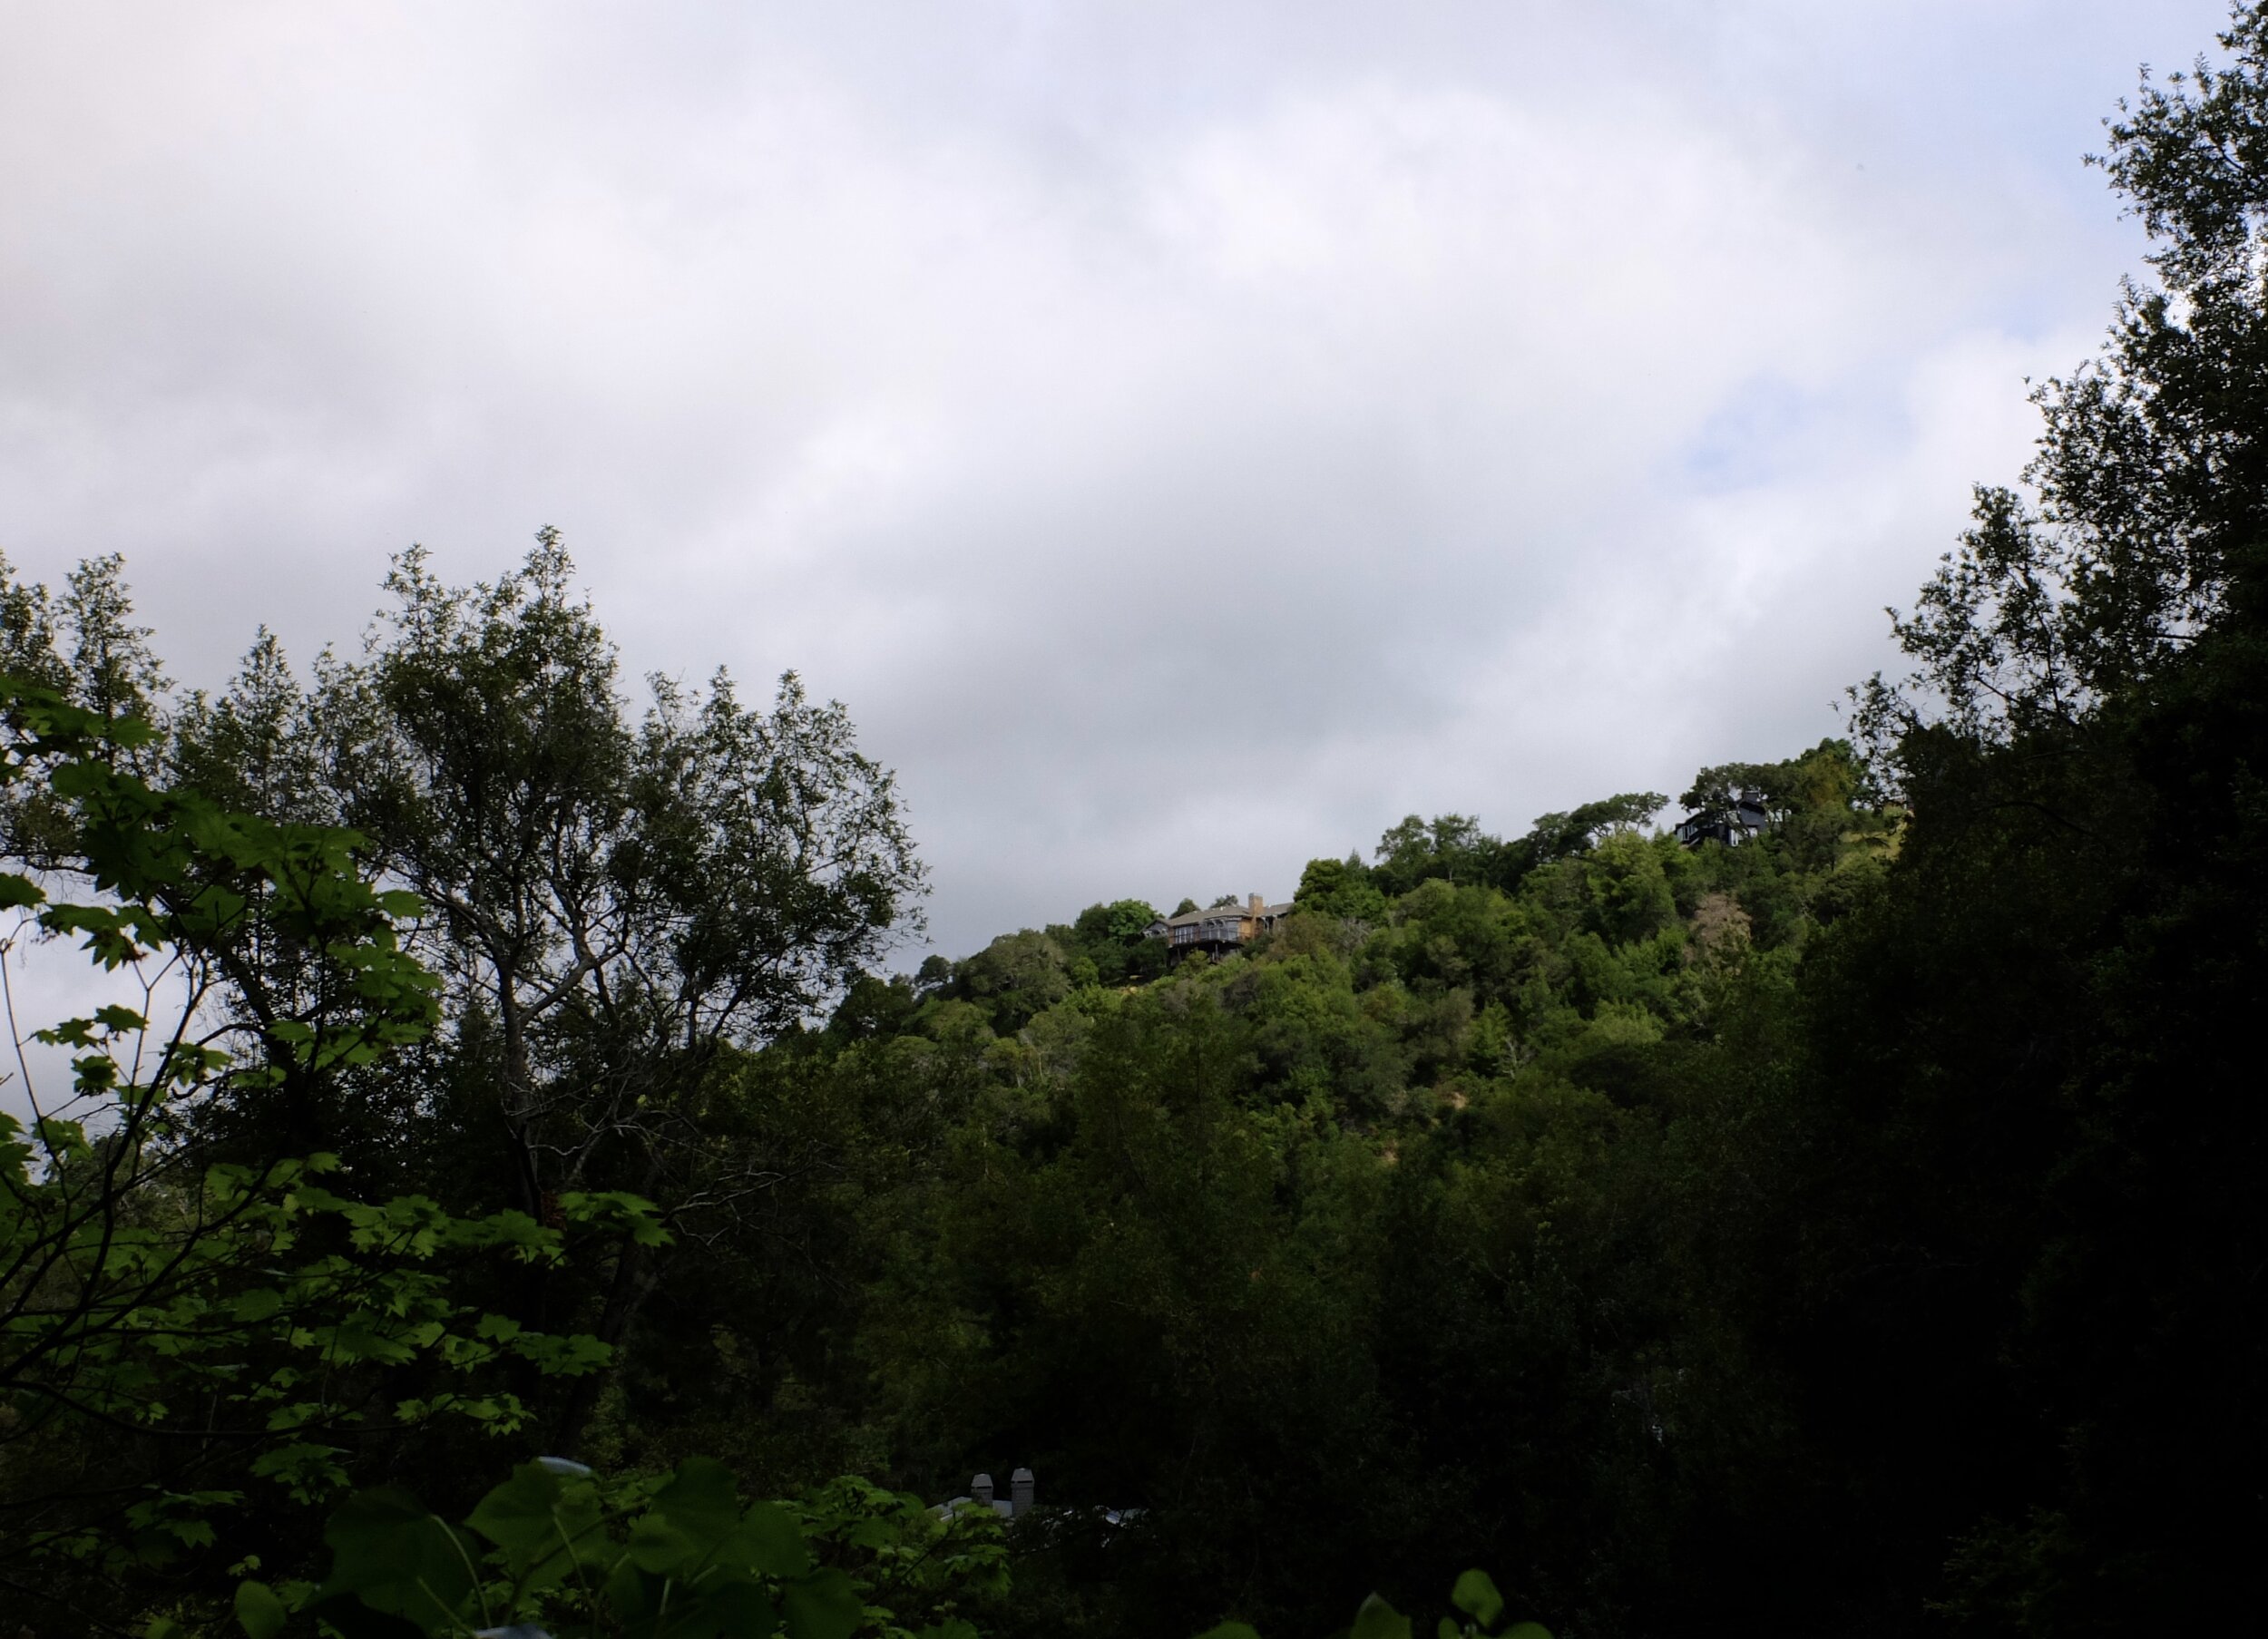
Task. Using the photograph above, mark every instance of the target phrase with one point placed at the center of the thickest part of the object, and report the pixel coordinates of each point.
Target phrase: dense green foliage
(1406, 1228)
(1851, 1229)
(175, 1328)
(557, 1549)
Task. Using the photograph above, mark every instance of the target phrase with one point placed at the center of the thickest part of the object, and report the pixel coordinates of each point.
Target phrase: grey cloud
(1477, 408)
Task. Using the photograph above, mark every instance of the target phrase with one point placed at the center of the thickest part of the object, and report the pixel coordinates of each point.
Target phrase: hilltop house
(1023, 1496)
(1733, 823)
(1022, 1492)
(1221, 928)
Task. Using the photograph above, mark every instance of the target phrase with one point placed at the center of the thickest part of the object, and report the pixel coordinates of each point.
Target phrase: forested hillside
(1405, 1223)
(1853, 1228)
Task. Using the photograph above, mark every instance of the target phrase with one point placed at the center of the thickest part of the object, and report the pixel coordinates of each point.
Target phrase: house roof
(1220, 913)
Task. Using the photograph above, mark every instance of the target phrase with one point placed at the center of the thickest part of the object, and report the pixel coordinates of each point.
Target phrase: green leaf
(773, 1542)
(546, 1522)
(1526, 1630)
(399, 1559)
(16, 893)
(61, 1137)
(1446, 1629)
(1229, 1630)
(517, 1515)
(632, 1595)
(1476, 1595)
(823, 1605)
(256, 1304)
(258, 1610)
(657, 1547)
(702, 1501)
(745, 1611)
(1379, 1620)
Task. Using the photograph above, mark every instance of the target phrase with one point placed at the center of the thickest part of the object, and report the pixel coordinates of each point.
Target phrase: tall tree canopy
(615, 905)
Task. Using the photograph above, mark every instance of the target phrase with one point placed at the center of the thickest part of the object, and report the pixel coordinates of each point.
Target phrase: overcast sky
(1187, 436)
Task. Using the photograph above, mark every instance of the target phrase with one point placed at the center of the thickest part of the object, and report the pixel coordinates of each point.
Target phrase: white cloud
(1189, 437)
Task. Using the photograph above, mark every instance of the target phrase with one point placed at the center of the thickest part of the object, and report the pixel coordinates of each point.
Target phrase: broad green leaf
(306, 1467)
(744, 1611)
(1526, 1630)
(400, 1559)
(701, 1500)
(61, 1137)
(772, 1541)
(258, 1304)
(537, 1516)
(822, 1606)
(1476, 1595)
(656, 1545)
(258, 1610)
(1378, 1620)
(633, 1595)
(1229, 1630)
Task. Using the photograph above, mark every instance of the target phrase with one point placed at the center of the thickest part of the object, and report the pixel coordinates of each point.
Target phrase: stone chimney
(980, 1490)
(1021, 1486)
(1259, 905)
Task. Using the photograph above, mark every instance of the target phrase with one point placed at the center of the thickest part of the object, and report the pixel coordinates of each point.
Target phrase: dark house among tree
(1222, 927)
(1731, 823)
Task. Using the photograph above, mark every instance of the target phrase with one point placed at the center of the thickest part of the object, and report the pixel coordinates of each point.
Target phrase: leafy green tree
(1629, 891)
(1015, 977)
(1124, 919)
(177, 1334)
(2144, 533)
(614, 906)
(1114, 938)
(1341, 888)
(1449, 846)
(1556, 836)
(2031, 1094)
